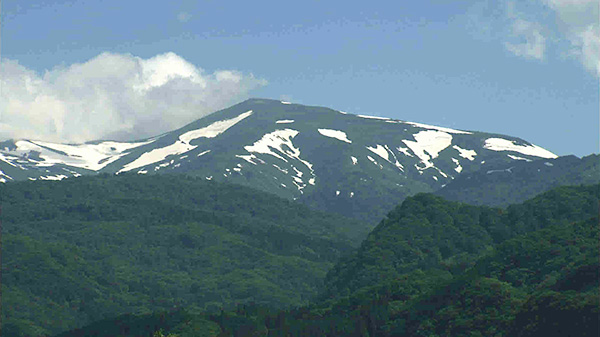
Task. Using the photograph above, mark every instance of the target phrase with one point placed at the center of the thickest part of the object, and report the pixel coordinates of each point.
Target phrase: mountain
(511, 183)
(427, 232)
(87, 248)
(356, 165)
(539, 278)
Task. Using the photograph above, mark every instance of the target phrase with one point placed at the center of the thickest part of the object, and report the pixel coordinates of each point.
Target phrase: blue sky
(83, 70)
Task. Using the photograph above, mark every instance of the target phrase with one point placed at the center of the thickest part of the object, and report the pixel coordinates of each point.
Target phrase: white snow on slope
(469, 154)
(428, 141)
(182, 145)
(203, 153)
(518, 158)
(499, 144)
(89, 156)
(375, 162)
(277, 140)
(404, 150)
(384, 152)
(339, 135)
(373, 117)
(2, 174)
(284, 102)
(250, 158)
(354, 160)
(56, 177)
(439, 128)
(214, 129)
(458, 167)
(380, 151)
(9, 159)
(506, 170)
(284, 121)
(398, 165)
(157, 155)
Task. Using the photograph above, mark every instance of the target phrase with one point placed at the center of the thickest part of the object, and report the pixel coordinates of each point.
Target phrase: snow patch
(374, 117)
(285, 102)
(458, 168)
(339, 135)
(276, 140)
(500, 144)
(284, 121)
(431, 142)
(182, 145)
(469, 154)
(214, 129)
(354, 160)
(548, 164)
(89, 156)
(404, 150)
(5, 175)
(439, 128)
(518, 158)
(506, 170)
(380, 151)
(56, 177)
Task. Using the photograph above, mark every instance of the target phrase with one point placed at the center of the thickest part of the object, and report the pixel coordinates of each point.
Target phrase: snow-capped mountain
(327, 158)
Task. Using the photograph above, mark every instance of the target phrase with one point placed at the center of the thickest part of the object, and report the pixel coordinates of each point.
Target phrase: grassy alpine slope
(89, 248)
(535, 274)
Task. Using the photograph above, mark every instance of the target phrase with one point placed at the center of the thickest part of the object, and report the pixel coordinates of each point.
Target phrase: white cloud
(578, 21)
(184, 17)
(117, 96)
(534, 44)
(571, 25)
(586, 46)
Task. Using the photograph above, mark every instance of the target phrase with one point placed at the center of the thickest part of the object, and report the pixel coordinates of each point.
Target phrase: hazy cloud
(184, 16)
(533, 43)
(578, 20)
(113, 96)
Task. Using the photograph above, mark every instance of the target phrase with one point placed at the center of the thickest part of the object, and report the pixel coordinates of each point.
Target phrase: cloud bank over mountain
(113, 96)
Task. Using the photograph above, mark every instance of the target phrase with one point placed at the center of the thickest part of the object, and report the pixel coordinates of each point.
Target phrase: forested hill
(535, 274)
(427, 232)
(82, 249)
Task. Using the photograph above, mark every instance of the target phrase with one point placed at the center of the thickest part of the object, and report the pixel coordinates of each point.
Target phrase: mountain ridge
(323, 157)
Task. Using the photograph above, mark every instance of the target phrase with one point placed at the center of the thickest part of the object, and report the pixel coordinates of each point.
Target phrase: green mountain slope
(542, 283)
(511, 183)
(87, 248)
(427, 232)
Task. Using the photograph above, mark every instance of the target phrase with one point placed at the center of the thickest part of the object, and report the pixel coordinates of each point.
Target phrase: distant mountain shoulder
(510, 183)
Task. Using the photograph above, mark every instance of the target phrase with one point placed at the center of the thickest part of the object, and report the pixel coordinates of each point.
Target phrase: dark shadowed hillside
(86, 248)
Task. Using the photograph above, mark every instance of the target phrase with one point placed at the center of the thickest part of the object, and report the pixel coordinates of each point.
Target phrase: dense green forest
(157, 256)
(84, 249)
(543, 282)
